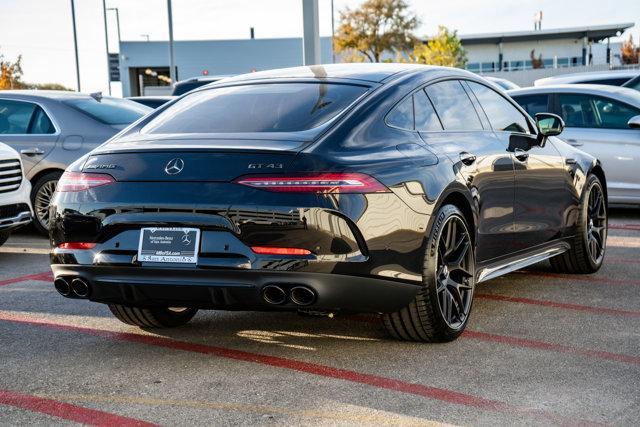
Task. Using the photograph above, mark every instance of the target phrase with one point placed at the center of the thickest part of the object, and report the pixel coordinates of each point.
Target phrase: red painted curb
(585, 308)
(558, 348)
(435, 393)
(45, 276)
(579, 278)
(67, 411)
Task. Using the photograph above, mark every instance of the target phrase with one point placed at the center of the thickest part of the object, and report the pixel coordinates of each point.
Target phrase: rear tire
(41, 195)
(589, 244)
(155, 317)
(440, 311)
(4, 236)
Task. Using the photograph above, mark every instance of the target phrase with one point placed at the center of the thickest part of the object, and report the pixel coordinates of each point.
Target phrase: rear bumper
(236, 289)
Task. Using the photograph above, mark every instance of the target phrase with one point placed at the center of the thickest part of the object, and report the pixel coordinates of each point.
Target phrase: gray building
(144, 66)
(557, 48)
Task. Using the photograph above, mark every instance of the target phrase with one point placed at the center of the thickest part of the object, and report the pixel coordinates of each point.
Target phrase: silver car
(602, 120)
(610, 77)
(51, 129)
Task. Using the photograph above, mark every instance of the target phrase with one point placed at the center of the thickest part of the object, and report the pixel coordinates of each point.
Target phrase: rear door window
(15, 117)
(266, 107)
(502, 115)
(591, 111)
(454, 108)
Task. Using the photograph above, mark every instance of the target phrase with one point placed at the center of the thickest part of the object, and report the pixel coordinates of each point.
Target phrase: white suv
(15, 205)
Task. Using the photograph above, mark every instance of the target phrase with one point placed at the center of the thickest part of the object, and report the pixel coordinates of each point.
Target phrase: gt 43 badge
(264, 166)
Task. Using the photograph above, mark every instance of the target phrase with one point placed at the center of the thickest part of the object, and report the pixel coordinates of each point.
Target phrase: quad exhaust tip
(301, 295)
(274, 294)
(62, 286)
(80, 288)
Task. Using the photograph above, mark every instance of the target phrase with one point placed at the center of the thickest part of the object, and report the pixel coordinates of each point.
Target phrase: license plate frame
(169, 245)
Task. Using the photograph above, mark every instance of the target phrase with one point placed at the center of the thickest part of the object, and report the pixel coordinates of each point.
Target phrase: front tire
(4, 236)
(41, 195)
(589, 244)
(440, 311)
(155, 317)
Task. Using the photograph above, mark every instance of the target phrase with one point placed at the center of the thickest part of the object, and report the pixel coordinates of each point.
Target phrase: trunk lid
(192, 159)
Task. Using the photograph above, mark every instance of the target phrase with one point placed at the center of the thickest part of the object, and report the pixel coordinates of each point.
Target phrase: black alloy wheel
(596, 224)
(454, 277)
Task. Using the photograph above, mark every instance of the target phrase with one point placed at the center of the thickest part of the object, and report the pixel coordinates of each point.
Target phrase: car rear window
(110, 111)
(267, 107)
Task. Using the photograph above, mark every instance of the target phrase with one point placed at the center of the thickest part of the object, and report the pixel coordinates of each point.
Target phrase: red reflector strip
(76, 245)
(78, 181)
(266, 250)
(318, 183)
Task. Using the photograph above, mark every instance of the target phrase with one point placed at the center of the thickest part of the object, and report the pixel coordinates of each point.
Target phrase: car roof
(580, 77)
(624, 94)
(369, 72)
(44, 94)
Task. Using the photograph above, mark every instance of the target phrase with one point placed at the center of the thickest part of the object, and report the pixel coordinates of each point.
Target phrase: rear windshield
(110, 111)
(269, 107)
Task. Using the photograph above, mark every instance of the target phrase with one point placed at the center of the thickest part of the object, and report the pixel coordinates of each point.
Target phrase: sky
(41, 30)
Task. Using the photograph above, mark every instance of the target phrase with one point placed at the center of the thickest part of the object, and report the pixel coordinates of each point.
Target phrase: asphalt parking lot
(541, 348)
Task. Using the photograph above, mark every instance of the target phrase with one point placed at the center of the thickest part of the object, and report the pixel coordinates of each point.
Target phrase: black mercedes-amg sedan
(381, 188)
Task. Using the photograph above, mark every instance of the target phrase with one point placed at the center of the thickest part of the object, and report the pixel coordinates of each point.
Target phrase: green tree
(10, 73)
(375, 27)
(443, 49)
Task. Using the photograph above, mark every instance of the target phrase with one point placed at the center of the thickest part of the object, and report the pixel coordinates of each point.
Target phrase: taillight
(315, 183)
(77, 245)
(79, 181)
(272, 250)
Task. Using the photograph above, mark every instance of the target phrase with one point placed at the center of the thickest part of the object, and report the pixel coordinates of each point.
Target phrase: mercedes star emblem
(174, 166)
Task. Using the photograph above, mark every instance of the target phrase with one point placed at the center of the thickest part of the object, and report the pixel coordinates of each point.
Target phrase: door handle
(467, 158)
(32, 152)
(575, 142)
(521, 154)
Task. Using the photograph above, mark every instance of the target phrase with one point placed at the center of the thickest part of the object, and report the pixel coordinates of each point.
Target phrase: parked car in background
(609, 78)
(184, 86)
(346, 187)
(151, 101)
(502, 83)
(51, 129)
(602, 120)
(15, 190)
(634, 83)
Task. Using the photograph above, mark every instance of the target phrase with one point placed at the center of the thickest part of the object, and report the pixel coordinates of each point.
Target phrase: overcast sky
(41, 30)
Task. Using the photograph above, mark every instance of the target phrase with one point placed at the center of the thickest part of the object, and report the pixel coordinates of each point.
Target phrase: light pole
(117, 24)
(311, 33)
(172, 63)
(333, 30)
(75, 43)
(106, 42)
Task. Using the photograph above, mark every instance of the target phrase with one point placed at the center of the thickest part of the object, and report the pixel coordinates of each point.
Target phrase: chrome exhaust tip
(80, 288)
(273, 294)
(62, 286)
(301, 295)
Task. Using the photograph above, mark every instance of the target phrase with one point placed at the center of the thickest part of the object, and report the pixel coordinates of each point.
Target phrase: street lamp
(117, 23)
(106, 42)
(75, 43)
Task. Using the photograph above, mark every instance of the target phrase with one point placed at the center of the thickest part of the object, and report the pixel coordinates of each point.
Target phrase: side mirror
(634, 122)
(548, 125)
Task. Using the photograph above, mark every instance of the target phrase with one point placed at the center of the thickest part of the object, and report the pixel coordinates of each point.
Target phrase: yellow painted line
(338, 412)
